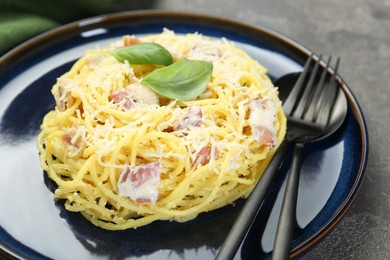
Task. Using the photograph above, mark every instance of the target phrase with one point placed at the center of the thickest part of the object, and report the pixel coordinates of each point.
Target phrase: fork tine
(306, 98)
(289, 104)
(325, 105)
(312, 109)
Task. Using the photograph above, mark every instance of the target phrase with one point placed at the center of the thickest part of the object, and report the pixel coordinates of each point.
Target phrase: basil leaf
(143, 53)
(184, 80)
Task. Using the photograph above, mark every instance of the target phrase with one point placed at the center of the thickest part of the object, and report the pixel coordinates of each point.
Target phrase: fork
(308, 108)
(310, 112)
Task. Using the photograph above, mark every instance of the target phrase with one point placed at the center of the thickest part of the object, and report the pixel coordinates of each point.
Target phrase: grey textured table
(359, 32)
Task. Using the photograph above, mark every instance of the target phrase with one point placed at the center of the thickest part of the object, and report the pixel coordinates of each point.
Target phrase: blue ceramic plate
(33, 225)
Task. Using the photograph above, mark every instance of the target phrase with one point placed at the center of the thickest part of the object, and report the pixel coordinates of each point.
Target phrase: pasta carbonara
(124, 156)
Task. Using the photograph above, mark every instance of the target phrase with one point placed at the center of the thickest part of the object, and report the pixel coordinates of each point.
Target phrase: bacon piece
(140, 183)
(193, 117)
(73, 142)
(128, 40)
(63, 97)
(134, 94)
(264, 135)
(123, 95)
(204, 155)
(261, 118)
(67, 139)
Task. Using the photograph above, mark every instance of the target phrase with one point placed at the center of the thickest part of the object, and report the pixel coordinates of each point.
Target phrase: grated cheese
(203, 147)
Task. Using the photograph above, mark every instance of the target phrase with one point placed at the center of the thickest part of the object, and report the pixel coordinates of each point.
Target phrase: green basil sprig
(184, 80)
(143, 53)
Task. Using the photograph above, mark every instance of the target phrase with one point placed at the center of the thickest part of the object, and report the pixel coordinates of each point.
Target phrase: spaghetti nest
(123, 156)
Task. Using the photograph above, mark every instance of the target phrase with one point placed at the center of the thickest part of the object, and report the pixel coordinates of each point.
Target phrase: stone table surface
(359, 32)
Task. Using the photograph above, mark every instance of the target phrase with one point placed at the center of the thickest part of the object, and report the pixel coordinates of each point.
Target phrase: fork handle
(251, 206)
(285, 227)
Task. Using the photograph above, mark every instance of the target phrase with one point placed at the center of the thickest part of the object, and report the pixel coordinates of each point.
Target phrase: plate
(33, 225)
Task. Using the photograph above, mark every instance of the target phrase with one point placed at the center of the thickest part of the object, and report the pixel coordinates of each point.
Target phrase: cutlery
(314, 110)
